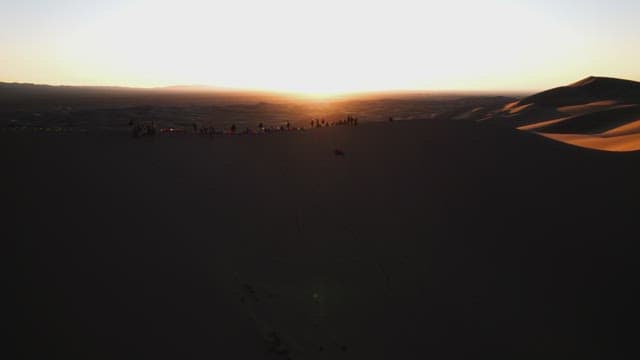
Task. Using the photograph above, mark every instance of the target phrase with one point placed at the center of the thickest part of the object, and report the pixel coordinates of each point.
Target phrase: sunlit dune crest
(513, 109)
(581, 109)
(630, 128)
(541, 124)
(596, 112)
(621, 138)
(609, 143)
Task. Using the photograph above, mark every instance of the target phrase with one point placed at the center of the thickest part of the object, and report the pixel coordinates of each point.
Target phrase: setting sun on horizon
(319, 47)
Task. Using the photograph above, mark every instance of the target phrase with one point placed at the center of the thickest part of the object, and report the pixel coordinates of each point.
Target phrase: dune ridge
(423, 236)
(597, 112)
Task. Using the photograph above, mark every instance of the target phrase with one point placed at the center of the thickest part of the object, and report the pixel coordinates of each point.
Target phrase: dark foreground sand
(433, 239)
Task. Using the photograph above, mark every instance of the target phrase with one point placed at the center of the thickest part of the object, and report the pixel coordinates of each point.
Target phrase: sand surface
(428, 239)
(540, 124)
(628, 142)
(627, 129)
(585, 108)
(597, 113)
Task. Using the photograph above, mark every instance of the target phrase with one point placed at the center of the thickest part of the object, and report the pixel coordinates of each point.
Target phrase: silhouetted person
(233, 128)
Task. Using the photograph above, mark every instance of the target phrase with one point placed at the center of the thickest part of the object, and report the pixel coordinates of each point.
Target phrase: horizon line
(218, 88)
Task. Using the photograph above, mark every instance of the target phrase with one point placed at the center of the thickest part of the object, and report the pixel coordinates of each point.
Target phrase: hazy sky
(320, 45)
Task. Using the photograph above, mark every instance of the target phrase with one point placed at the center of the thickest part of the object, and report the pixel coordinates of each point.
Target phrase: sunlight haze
(319, 46)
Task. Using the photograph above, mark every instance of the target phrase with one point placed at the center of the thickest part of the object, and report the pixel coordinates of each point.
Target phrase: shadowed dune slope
(428, 239)
(586, 91)
(587, 113)
(594, 122)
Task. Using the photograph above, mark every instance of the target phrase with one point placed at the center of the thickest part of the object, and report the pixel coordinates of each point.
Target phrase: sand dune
(585, 108)
(629, 142)
(540, 124)
(594, 122)
(523, 115)
(589, 90)
(435, 239)
(627, 129)
(419, 243)
(598, 113)
(622, 138)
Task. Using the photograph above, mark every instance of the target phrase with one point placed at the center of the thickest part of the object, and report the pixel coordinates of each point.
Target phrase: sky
(320, 46)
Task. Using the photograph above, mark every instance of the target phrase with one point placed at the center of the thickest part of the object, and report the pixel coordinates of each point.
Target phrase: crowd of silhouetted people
(349, 121)
(149, 129)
